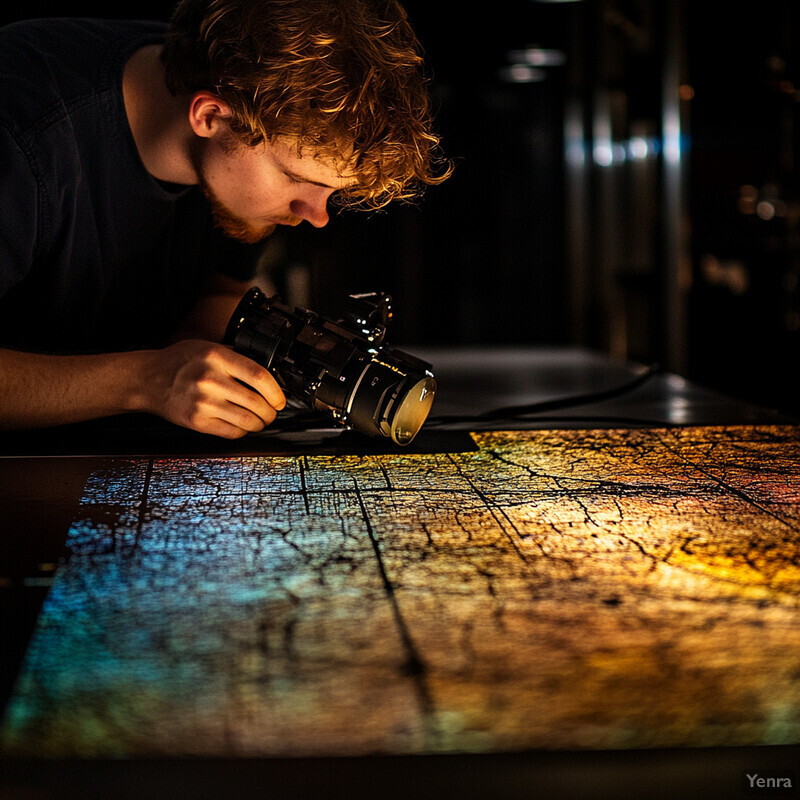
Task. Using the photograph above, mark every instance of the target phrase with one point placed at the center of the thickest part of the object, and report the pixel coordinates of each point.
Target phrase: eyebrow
(304, 179)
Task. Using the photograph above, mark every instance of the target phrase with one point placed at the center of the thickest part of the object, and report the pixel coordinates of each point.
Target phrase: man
(139, 168)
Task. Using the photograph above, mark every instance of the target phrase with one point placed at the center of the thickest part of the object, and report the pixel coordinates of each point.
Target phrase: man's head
(254, 188)
(340, 79)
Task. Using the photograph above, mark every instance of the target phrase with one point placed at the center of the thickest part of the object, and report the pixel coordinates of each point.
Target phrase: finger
(241, 403)
(251, 418)
(219, 427)
(224, 429)
(220, 417)
(258, 378)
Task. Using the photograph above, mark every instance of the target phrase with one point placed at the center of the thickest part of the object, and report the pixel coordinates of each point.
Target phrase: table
(601, 592)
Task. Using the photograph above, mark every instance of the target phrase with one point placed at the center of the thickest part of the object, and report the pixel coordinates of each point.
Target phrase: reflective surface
(550, 589)
(475, 380)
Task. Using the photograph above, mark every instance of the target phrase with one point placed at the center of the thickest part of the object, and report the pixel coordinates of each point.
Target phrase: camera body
(338, 367)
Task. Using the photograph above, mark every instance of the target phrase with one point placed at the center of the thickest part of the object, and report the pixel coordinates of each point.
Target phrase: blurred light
(575, 147)
(765, 203)
(606, 153)
(730, 274)
(603, 154)
(525, 65)
(748, 195)
(672, 137)
(769, 209)
(765, 210)
(575, 154)
(537, 57)
(640, 148)
(522, 73)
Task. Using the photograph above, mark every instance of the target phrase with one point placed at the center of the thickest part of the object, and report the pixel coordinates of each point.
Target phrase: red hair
(344, 77)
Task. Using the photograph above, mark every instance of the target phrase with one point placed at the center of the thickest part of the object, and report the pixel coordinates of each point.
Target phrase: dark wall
(745, 202)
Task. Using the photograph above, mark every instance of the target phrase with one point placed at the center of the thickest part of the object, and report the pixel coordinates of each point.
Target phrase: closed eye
(295, 178)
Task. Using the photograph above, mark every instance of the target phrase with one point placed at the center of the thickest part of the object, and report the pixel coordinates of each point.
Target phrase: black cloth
(95, 254)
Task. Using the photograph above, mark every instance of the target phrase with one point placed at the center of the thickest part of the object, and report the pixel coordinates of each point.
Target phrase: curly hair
(339, 76)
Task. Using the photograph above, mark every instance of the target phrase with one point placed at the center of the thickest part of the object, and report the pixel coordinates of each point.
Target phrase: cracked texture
(553, 589)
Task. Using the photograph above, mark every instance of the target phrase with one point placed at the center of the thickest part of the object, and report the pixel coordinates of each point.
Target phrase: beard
(231, 225)
(228, 222)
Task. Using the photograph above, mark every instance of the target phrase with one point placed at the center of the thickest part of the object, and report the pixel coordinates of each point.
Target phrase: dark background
(569, 219)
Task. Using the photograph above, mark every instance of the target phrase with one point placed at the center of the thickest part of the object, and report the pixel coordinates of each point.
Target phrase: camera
(338, 367)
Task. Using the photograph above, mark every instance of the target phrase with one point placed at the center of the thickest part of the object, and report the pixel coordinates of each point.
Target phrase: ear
(207, 114)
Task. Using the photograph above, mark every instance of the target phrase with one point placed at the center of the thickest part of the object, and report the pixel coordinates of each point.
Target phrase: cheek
(242, 184)
(254, 198)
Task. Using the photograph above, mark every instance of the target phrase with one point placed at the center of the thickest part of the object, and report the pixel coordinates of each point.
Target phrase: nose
(313, 208)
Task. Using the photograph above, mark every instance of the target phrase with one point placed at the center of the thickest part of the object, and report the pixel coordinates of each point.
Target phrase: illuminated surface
(571, 589)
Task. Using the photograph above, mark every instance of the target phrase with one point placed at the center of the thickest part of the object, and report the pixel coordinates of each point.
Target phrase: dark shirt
(95, 254)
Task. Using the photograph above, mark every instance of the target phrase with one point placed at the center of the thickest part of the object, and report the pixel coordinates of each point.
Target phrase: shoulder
(48, 65)
(61, 101)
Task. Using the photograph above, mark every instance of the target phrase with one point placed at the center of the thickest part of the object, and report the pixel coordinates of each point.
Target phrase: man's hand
(197, 384)
(210, 388)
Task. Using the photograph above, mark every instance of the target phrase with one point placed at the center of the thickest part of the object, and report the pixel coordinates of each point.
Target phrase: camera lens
(390, 397)
(413, 411)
